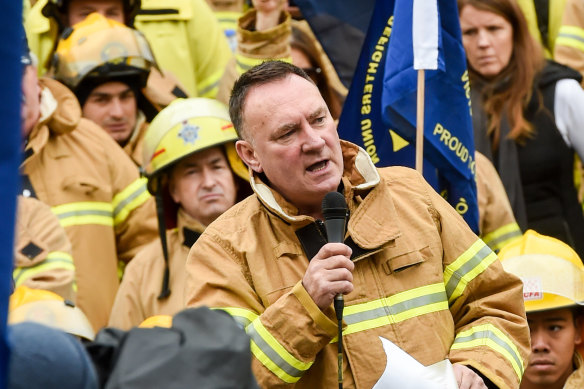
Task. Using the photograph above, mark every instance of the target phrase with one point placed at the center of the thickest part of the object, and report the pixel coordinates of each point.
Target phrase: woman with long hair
(528, 115)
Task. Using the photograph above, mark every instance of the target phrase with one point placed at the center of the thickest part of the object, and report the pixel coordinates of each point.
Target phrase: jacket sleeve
(569, 49)
(491, 331)
(285, 337)
(134, 214)
(42, 254)
(497, 222)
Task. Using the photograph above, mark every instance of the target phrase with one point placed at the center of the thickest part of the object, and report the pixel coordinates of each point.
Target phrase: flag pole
(420, 123)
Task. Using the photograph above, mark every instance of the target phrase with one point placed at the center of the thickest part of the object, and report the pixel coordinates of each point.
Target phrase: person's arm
(497, 222)
(491, 331)
(134, 216)
(286, 336)
(42, 253)
(569, 113)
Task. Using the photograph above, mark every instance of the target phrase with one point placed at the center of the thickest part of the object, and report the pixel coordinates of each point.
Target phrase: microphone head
(334, 206)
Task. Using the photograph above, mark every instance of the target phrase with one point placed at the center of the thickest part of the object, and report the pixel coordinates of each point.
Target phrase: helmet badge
(189, 133)
(532, 288)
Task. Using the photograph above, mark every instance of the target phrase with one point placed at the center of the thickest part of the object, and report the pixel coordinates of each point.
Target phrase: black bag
(203, 349)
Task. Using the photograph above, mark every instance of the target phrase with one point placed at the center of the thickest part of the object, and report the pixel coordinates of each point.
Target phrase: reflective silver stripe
(69, 214)
(272, 354)
(396, 309)
(134, 195)
(467, 268)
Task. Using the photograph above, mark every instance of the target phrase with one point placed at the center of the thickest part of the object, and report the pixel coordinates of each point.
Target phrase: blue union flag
(380, 111)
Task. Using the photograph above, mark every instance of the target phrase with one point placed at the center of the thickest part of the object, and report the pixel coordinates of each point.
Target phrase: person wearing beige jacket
(410, 269)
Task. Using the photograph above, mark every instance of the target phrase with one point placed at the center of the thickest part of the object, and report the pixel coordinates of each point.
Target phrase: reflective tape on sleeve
(466, 267)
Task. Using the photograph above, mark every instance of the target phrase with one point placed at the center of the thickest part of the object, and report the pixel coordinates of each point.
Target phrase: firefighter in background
(195, 174)
(553, 279)
(90, 184)
(106, 65)
(185, 36)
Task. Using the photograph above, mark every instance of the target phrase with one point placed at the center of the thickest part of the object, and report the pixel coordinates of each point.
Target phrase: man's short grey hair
(261, 74)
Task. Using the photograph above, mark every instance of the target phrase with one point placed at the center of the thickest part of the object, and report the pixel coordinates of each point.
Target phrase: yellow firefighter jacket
(184, 35)
(422, 279)
(496, 220)
(42, 253)
(95, 191)
(576, 379)
(569, 48)
(137, 298)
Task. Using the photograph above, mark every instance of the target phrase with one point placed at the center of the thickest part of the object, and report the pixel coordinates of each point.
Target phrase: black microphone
(335, 212)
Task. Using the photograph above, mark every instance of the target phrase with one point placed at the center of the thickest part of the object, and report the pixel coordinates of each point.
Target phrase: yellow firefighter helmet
(98, 49)
(50, 309)
(157, 321)
(551, 271)
(185, 127)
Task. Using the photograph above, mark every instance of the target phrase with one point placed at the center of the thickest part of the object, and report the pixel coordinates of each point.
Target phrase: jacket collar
(60, 114)
(373, 220)
(189, 229)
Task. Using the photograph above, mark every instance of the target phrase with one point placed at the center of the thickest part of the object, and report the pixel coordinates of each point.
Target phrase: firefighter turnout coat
(137, 298)
(96, 192)
(422, 280)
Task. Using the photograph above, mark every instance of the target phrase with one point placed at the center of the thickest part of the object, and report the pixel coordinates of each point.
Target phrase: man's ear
(247, 154)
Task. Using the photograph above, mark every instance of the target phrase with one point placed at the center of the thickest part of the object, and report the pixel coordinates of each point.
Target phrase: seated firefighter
(195, 174)
(553, 277)
(107, 65)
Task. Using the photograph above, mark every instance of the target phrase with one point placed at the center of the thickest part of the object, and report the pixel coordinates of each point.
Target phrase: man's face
(79, 9)
(293, 140)
(554, 336)
(113, 106)
(30, 110)
(203, 185)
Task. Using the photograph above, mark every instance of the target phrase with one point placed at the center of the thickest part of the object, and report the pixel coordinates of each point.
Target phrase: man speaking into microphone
(409, 268)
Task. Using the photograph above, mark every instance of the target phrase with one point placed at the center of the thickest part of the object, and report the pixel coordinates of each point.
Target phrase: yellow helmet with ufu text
(185, 127)
(551, 271)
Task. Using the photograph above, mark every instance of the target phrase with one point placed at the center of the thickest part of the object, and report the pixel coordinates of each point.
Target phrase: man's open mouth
(318, 166)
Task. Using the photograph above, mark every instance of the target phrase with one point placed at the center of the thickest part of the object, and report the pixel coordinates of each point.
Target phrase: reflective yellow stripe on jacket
(490, 336)
(55, 260)
(571, 36)
(466, 267)
(210, 85)
(267, 349)
(102, 213)
(394, 309)
(502, 236)
(273, 355)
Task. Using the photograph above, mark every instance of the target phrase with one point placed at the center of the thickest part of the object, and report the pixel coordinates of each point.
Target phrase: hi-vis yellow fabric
(425, 282)
(95, 191)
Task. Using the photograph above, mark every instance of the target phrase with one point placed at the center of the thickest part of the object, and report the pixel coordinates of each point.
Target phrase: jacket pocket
(404, 261)
(80, 188)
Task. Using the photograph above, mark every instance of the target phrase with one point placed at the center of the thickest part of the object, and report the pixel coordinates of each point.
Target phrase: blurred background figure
(185, 36)
(553, 276)
(227, 13)
(106, 65)
(527, 116)
(195, 174)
